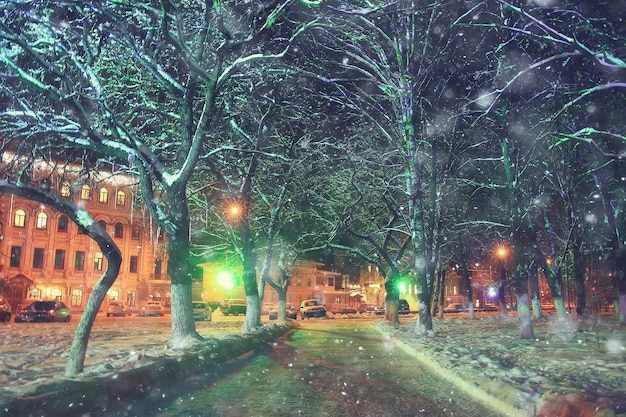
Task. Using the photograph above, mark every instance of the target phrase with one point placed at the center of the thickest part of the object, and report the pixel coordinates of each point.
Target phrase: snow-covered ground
(571, 369)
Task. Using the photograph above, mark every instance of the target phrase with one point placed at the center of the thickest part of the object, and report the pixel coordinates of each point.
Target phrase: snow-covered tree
(137, 82)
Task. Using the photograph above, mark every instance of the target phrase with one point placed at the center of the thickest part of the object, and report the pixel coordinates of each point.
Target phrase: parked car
(234, 306)
(116, 308)
(403, 307)
(5, 309)
(291, 311)
(312, 308)
(44, 311)
(455, 308)
(153, 308)
(201, 311)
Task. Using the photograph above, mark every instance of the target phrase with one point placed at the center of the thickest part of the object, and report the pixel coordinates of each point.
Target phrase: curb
(69, 397)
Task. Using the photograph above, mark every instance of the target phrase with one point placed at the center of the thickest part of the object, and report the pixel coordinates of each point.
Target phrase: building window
(38, 258)
(131, 296)
(79, 261)
(59, 259)
(16, 256)
(20, 218)
(103, 224)
(114, 295)
(135, 232)
(42, 221)
(63, 224)
(57, 294)
(65, 189)
(34, 294)
(157, 268)
(119, 230)
(85, 192)
(133, 264)
(104, 195)
(98, 261)
(77, 298)
(121, 198)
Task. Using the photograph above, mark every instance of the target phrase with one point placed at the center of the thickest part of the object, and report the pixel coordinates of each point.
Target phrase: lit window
(98, 261)
(104, 195)
(121, 198)
(20, 218)
(85, 192)
(114, 295)
(57, 294)
(65, 189)
(42, 221)
(77, 298)
(34, 294)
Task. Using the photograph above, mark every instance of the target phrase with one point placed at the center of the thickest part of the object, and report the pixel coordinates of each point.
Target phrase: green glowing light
(225, 280)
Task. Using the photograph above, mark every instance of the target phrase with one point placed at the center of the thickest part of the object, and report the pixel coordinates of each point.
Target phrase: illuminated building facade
(44, 256)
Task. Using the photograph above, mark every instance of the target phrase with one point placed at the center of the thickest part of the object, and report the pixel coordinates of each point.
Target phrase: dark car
(291, 312)
(5, 309)
(403, 307)
(44, 311)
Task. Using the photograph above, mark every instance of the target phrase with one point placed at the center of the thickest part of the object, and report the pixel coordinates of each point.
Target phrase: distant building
(309, 279)
(44, 256)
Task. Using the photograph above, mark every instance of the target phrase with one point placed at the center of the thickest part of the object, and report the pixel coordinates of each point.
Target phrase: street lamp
(502, 253)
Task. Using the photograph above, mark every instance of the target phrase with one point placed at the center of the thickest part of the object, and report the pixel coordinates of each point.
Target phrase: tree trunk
(533, 278)
(579, 280)
(504, 312)
(523, 314)
(178, 268)
(392, 297)
(253, 309)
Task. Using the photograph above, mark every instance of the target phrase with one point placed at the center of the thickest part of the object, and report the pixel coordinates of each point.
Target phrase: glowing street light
(225, 280)
(234, 210)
